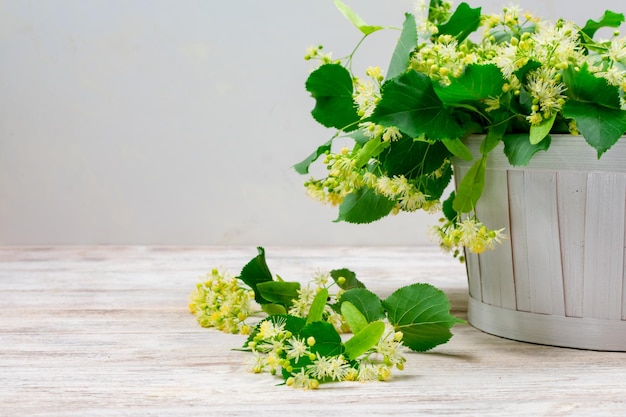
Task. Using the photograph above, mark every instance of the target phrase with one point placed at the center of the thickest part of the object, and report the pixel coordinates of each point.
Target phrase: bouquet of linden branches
(512, 78)
(301, 332)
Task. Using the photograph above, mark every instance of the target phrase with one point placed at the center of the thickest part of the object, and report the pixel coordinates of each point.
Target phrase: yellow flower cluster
(315, 52)
(345, 177)
(219, 301)
(452, 236)
(366, 92)
(443, 59)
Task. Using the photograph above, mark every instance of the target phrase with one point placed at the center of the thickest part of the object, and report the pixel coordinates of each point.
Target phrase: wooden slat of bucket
(494, 206)
(571, 195)
(604, 247)
(519, 239)
(544, 254)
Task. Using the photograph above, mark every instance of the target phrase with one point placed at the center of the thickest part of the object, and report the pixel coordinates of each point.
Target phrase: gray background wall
(177, 122)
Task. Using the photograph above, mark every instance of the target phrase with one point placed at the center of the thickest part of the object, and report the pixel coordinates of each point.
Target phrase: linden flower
(372, 130)
(391, 134)
(302, 380)
(297, 348)
(320, 368)
(412, 201)
(469, 233)
(367, 372)
(321, 278)
(269, 329)
(365, 97)
(547, 92)
(391, 349)
(375, 73)
(507, 59)
(315, 52)
(617, 50)
(554, 44)
(493, 103)
(338, 369)
(300, 306)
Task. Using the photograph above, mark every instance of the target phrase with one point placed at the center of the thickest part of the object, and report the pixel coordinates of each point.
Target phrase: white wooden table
(105, 331)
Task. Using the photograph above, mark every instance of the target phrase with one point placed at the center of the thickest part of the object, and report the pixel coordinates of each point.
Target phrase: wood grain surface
(105, 331)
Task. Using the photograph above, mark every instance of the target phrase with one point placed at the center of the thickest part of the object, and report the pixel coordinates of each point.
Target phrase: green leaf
(327, 340)
(359, 137)
(422, 313)
(256, 272)
(477, 82)
(471, 187)
(331, 87)
(609, 19)
(353, 316)
(458, 149)
(432, 186)
(406, 43)
(538, 133)
(366, 302)
(495, 133)
(316, 311)
(583, 86)
(602, 127)
(303, 166)
(351, 280)
(462, 23)
(519, 150)
(364, 206)
(370, 150)
(409, 102)
(279, 292)
(364, 340)
(273, 309)
(595, 106)
(400, 157)
(355, 19)
(447, 209)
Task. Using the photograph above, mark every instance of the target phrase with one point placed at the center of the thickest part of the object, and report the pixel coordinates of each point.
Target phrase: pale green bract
(512, 77)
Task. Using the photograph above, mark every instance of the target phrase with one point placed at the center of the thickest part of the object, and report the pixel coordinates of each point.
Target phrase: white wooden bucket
(559, 278)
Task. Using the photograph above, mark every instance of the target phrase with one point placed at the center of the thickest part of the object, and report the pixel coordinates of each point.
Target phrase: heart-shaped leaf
(331, 87)
(349, 279)
(256, 272)
(462, 23)
(364, 206)
(608, 19)
(409, 102)
(519, 150)
(327, 340)
(277, 292)
(366, 302)
(422, 313)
